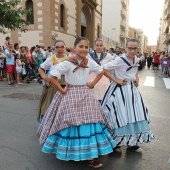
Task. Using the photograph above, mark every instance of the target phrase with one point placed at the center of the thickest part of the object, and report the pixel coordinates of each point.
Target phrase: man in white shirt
(43, 51)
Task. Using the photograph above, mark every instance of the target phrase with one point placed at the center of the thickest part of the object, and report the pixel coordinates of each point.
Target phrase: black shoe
(136, 148)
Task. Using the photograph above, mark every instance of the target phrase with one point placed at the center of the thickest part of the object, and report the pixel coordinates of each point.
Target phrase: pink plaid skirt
(78, 106)
(101, 87)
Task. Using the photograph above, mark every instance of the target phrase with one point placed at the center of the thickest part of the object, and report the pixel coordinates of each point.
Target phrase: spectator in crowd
(10, 62)
(112, 52)
(117, 51)
(2, 57)
(7, 42)
(149, 60)
(48, 52)
(156, 62)
(23, 53)
(53, 50)
(16, 48)
(43, 52)
(39, 57)
(34, 58)
(28, 55)
(18, 68)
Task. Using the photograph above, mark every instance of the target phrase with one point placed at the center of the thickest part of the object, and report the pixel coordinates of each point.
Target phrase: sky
(146, 14)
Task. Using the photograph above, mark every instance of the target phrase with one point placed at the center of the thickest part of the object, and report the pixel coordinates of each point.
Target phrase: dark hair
(131, 40)
(7, 38)
(112, 49)
(98, 39)
(68, 49)
(16, 55)
(32, 49)
(78, 39)
(15, 45)
(56, 41)
(37, 46)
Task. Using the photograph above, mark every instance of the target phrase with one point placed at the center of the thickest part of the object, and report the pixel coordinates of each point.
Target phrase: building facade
(163, 40)
(59, 19)
(143, 39)
(151, 49)
(115, 23)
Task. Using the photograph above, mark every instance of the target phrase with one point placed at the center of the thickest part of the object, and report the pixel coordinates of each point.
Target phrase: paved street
(20, 148)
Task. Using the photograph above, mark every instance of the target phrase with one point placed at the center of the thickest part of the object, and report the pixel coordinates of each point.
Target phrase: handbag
(23, 71)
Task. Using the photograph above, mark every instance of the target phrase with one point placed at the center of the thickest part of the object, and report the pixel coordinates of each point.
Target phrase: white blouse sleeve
(94, 67)
(46, 64)
(117, 63)
(60, 69)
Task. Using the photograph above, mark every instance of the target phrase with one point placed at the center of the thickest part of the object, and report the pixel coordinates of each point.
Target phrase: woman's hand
(47, 81)
(65, 89)
(136, 83)
(90, 85)
(120, 82)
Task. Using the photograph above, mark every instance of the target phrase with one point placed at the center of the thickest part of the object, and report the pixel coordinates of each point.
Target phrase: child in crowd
(7, 42)
(19, 68)
(122, 102)
(75, 126)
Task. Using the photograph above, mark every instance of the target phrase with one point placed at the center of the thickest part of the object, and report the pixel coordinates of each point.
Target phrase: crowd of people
(156, 62)
(14, 59)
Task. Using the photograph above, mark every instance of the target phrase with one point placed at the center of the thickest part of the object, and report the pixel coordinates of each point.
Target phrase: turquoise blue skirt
(132, 133)
(84, 142)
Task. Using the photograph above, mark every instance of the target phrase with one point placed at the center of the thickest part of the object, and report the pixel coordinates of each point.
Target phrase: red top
(156, 58)
(28, 54)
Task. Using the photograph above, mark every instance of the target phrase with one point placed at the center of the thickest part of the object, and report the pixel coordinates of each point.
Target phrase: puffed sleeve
(46, 64)
(60, 69)
(94, 67)
(117, 63)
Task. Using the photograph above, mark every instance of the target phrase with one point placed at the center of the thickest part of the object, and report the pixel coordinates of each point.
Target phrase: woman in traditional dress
(48, 90)
(74, 126)
(100, 58)
(123, 104)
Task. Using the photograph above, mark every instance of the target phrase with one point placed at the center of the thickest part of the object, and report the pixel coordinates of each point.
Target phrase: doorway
(83, 31)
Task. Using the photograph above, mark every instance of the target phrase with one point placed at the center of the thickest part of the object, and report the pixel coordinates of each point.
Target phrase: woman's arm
(55, 83)
(19, 62)
(94, 82)
(44, 76)
(33, 57)
(137, 80)
(116, 80)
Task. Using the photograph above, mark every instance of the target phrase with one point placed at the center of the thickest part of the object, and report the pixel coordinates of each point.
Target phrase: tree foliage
(12, 17)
